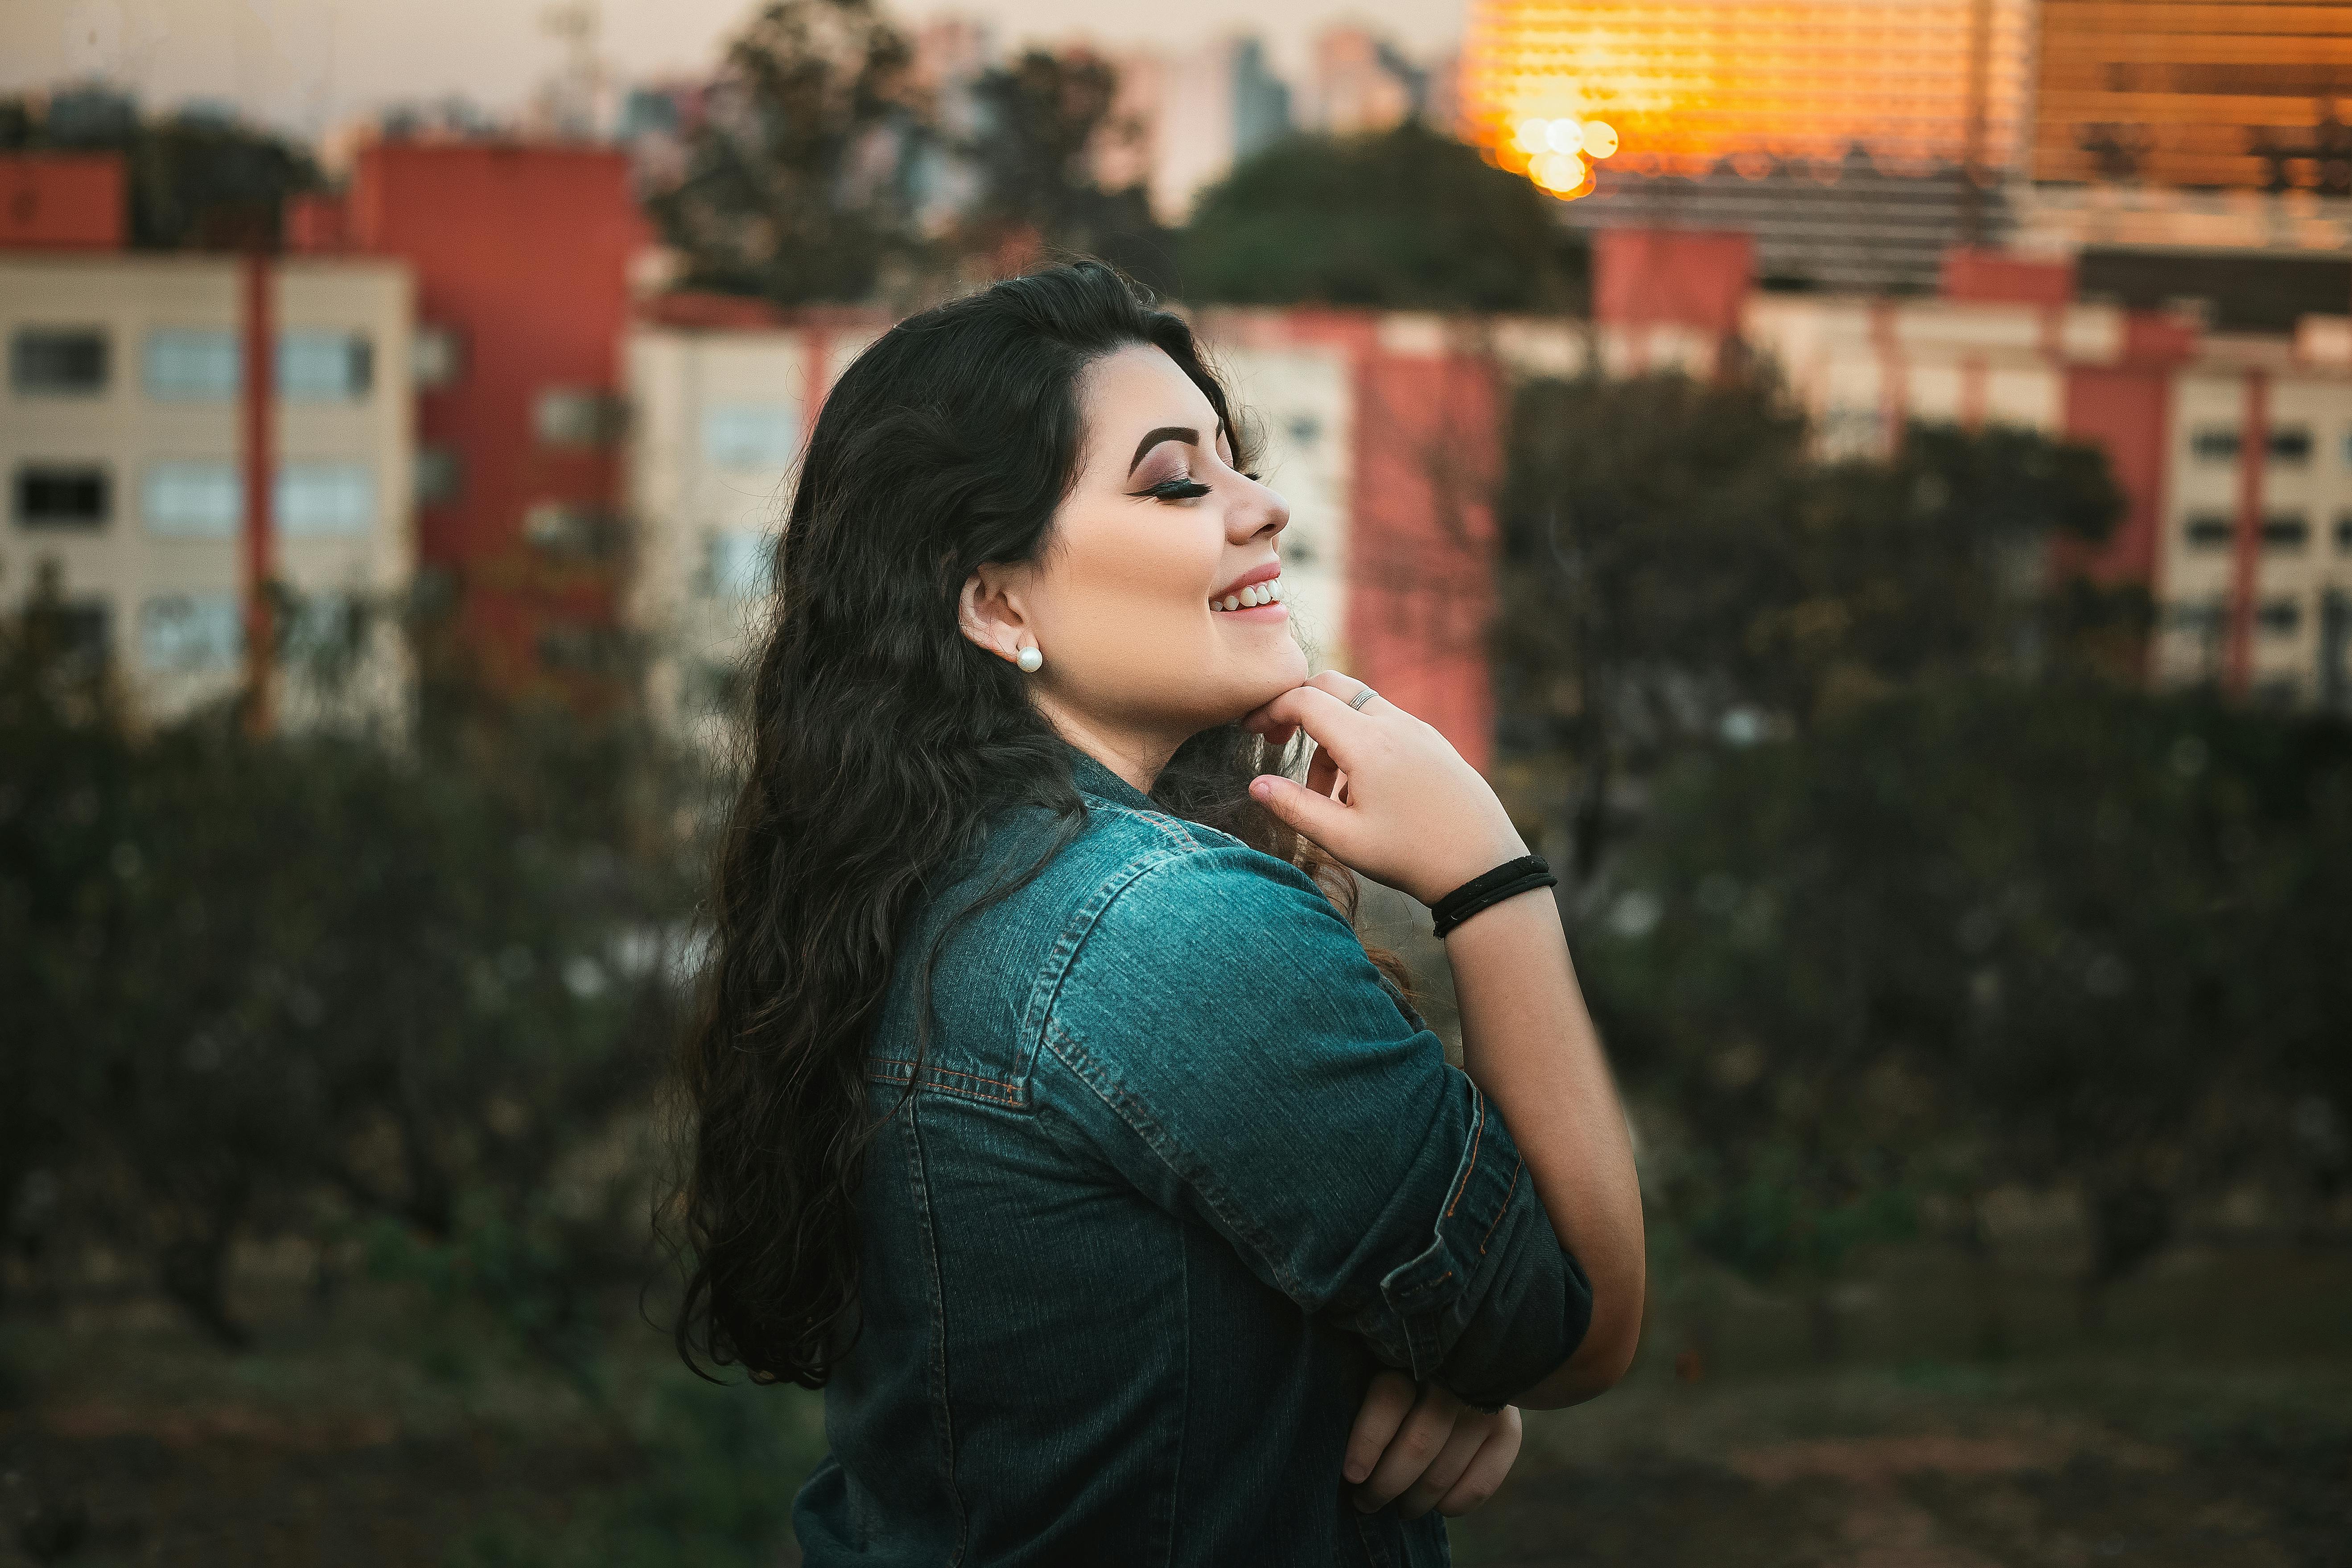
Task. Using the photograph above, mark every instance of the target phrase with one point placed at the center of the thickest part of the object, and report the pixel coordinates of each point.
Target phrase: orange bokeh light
(1685, 83)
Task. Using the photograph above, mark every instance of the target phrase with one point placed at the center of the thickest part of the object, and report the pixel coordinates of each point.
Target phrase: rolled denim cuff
(1494, 1302)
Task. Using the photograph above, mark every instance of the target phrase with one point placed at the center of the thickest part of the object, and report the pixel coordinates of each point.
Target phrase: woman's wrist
(1515, 876)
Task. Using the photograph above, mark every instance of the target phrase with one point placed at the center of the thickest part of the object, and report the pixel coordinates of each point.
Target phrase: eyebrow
(1184, 432)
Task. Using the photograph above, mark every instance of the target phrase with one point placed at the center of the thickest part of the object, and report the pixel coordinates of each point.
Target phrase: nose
(1259, 514)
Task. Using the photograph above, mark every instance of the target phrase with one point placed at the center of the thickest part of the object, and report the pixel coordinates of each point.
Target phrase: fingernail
(1365, 1504)
(1262, 787)
(1355, 1473)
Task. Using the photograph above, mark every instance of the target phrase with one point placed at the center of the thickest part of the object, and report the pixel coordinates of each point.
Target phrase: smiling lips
(1257, 589)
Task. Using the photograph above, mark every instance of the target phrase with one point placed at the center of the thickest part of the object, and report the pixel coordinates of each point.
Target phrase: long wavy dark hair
(881, 744)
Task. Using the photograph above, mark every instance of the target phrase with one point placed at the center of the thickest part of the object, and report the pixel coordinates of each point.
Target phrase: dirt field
(355, 1439)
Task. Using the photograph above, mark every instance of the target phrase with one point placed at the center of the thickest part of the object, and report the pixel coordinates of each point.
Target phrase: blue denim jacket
(1180, 1174)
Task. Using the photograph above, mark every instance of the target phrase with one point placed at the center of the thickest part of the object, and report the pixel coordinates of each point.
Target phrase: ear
(990, 611)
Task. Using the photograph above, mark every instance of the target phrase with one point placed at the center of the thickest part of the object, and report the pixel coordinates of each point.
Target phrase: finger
(1484, 1475)
(1470, 1435)
(1343, 686)
(1330, 723)
(1302, 810)
(1386, 1404)
(1419, 1440)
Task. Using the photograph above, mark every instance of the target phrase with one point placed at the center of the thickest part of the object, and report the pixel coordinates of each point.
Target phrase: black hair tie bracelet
(1508, 880)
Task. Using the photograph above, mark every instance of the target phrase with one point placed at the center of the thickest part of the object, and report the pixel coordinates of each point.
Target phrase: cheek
(1128, 582)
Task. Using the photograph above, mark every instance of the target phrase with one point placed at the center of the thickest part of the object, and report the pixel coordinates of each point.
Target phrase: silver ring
(1360, 698)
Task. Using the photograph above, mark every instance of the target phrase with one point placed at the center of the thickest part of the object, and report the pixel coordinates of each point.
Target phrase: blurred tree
(1933, 944)
(1400, 219)
(420, 980)
(1674, 560)
(198, 181)
(1647, 536)
(1042, 123)
(797, 185)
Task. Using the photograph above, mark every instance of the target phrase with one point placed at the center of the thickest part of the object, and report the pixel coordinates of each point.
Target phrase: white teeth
(1249, 598)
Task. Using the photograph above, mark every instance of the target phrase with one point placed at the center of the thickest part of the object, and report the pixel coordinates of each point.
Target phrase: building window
(188, 364)
(2285, 530)
(2344, 532)
(750, 435)
(2210, 531)
(575, 416)
(436, 357)
(2291, 444)
(189, 632)
(741, 562)
(2214, 445)
(2279, 616)
(192, 501)
(324, 366)
(2198, 617)
(568, 528)
(440, 474)
(1304, 429)
(63, 495)
(57, 361)
(318, 500)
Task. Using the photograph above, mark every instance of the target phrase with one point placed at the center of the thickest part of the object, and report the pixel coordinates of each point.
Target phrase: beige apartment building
(121, 449)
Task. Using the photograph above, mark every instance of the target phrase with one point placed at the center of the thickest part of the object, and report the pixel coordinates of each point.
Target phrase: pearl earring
(1029, 659)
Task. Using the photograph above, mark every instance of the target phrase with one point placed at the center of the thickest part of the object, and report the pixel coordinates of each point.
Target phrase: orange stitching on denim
(1477, 1133)
(899, 1070)
(1503, 1208)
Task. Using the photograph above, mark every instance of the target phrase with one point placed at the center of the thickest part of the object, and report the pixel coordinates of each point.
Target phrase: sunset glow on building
(1683, 84)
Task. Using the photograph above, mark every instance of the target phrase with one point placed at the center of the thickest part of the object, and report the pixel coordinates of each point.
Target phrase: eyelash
(1180, 489)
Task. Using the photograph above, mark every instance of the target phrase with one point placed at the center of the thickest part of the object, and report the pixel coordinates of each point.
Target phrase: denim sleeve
(1230, 1049)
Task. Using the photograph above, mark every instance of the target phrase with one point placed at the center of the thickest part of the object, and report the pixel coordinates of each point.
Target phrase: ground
(2210, 1424)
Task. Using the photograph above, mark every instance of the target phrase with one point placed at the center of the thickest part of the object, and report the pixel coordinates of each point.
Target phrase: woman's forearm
(1531, 1046)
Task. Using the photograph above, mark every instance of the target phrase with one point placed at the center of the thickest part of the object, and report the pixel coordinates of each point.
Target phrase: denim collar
(1093, 778)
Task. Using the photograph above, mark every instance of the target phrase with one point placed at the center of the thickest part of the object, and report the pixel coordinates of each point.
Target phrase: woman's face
(1127, 601)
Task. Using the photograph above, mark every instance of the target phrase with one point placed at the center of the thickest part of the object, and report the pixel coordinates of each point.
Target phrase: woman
(1051, 1116)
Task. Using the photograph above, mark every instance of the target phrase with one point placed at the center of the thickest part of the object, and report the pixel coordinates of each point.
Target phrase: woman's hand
(1386, 795)
(1421, 1447)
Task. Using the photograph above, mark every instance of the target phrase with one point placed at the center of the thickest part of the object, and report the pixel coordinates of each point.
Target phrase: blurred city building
(2234, 447)
(1855, 138)
(520, 254)
(2197, 155)
(1359, 82)
(1199, 111)
(128, 437)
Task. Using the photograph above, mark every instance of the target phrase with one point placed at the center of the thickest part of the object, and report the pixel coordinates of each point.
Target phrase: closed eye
(1173, 490)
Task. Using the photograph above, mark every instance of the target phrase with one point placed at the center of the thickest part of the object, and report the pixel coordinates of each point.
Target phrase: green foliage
(280, 982)
(1043, 121)
(798, 184)
(1674, 556)
(1401, 219)
(1987, 933)
(195, 180)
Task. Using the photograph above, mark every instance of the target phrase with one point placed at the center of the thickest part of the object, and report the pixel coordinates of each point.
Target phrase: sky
(311, 65)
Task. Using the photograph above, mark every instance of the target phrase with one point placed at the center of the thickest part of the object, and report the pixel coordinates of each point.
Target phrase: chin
(1269, 679)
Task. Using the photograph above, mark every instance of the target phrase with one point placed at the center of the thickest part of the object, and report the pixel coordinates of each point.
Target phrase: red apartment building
(520, 254)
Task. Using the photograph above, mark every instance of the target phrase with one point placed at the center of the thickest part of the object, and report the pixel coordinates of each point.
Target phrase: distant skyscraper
(2168, 93)
(1361, 83)
(1201, 111)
